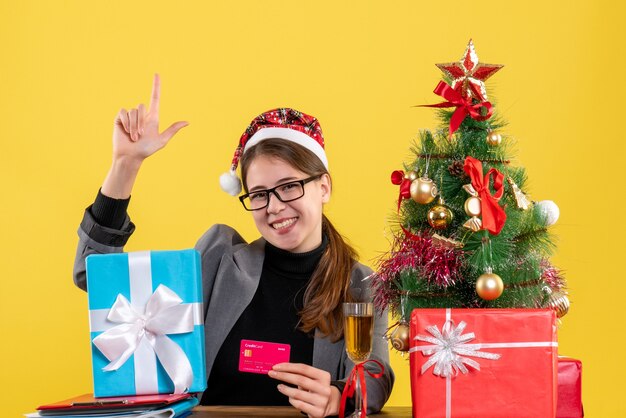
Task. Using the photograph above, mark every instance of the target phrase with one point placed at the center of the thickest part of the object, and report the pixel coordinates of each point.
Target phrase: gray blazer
(231, 269)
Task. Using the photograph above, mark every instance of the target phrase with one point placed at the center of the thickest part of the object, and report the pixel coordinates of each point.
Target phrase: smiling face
(294, 226)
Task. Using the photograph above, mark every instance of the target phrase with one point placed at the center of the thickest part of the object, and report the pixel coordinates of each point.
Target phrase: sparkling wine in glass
(358, 334)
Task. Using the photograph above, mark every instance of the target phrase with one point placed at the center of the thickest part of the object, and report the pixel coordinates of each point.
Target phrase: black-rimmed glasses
(286, 192)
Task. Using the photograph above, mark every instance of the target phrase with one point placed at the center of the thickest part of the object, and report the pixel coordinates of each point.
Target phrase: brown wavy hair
(329, 285)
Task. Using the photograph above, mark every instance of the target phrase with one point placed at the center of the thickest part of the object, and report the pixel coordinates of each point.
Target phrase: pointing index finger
(156, 94)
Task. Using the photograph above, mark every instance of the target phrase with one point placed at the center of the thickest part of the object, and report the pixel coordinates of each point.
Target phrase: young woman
(286, 287)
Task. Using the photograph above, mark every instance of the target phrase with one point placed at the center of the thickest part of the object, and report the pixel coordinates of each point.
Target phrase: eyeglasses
(286, 192)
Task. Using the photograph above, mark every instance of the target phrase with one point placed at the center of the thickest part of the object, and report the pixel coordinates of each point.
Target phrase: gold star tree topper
(468, 75)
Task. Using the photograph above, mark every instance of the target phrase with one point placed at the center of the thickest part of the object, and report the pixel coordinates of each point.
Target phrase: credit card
(260, 356)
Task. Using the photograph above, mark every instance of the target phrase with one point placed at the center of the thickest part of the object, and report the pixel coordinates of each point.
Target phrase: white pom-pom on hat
(230, 183)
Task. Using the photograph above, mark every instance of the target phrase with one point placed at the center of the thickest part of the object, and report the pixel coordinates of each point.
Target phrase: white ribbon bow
(164, 314)
(449, 350)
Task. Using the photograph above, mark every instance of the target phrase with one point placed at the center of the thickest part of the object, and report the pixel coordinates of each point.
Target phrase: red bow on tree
(464, 106)
(493, 216)
(397, 177)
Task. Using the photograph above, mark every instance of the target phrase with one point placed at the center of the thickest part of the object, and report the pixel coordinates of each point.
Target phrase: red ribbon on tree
(493, 216)
(410, 235)
(358, 373)
(464, 106)
(397, 177)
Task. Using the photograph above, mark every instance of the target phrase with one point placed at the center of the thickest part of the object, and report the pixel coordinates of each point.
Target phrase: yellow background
(68, 67)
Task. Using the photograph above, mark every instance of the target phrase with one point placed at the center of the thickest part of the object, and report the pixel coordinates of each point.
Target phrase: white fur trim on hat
(298, 137)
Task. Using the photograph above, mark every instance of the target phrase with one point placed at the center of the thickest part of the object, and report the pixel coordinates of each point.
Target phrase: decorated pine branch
(467, 233)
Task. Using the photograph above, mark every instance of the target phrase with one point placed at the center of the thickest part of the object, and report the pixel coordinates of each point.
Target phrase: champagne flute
(358, 334)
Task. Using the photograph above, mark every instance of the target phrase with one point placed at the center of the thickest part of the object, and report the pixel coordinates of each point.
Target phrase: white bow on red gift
(450, 351)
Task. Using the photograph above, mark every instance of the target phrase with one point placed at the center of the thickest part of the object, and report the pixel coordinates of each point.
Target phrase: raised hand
(136, 137)
(136, 131)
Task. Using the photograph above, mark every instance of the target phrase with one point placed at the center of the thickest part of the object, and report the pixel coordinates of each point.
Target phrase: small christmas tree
(468, 235)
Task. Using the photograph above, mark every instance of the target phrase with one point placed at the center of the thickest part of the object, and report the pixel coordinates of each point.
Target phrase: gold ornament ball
(494, 138)
(489, 286)
(423, 190)
(439, 217)
(411, 175)
(400, 337)
(472, 206)
(560, 303)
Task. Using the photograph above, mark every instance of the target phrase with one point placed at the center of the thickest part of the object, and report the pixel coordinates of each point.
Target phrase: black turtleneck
(272, 316)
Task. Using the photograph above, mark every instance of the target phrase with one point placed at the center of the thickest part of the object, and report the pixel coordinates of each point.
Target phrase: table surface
(278, 411)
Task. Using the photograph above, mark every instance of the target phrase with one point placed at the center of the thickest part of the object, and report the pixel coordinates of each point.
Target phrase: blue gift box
(146, 321)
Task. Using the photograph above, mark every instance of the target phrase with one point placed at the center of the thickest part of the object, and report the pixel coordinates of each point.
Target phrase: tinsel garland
(552, 276)
(438, 265)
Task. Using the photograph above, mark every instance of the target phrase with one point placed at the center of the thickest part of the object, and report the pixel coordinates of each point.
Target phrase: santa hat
(283, 123)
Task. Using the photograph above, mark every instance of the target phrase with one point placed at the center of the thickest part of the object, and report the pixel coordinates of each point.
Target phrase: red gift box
(570, 403)
(483, 363)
